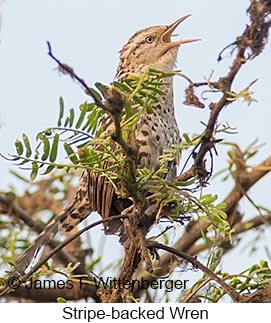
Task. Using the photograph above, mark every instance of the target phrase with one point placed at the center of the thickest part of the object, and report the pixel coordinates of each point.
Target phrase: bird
(151, 47)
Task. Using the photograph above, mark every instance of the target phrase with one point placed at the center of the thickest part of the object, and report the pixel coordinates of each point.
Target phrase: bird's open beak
(166, 37)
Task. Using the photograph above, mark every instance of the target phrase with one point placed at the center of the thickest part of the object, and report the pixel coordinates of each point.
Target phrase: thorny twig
(249, 45)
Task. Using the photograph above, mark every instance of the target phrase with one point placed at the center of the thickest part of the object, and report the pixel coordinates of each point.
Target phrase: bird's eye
(149, 39)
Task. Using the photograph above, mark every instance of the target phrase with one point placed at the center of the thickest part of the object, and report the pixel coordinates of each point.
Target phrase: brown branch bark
(262, 295)
(245, 182)
(76, 292)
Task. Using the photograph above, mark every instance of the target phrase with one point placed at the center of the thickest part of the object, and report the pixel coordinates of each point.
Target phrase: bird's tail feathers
(31, 253)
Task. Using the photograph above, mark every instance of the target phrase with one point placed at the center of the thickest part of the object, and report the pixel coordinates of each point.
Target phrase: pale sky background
(87, 35)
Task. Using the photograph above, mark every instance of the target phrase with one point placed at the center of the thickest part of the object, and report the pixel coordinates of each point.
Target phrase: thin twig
(254, 39)
(66, 69)
(63, 244)
(239, 228)
(228, 289)
(113, 104)
(195, 289)
(195, 230)
(66, 242)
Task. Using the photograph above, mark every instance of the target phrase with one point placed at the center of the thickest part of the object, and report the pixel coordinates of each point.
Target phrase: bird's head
(151, 47)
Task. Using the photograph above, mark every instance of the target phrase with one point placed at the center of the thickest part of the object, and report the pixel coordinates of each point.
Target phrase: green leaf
(69, 120)
(122, 86)
(132, 78)
(71, 153)
(27, 146)
(138, 100)
(92, 119)
(93, 263)
(185, 183)
(46, 148)
(48, 169)
(154, 89)
(23, 162)
(36, 156)
(84, 110)
(221, 205)
(222, 214)
(128, 110)
(96, 95)
(253, 268)
(61, 300)
(93, 122)
(48, 132)
(54, 149)
(61, 111)
(71, 117)
(186, 138)
(216, 218)
(208, 199)
(92, 107)
(102, 88)
(19, 147)
(264, 264)
(34, 172)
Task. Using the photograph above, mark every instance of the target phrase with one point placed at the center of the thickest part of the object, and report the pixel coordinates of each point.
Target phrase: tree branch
(245, 181)
(253, 39)
(46, 295)
(239, 228)
(59, 247)
(194, 231)
(228, 289)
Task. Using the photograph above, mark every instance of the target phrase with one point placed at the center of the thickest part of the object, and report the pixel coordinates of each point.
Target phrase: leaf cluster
(248, 281)
(78, 134)
(79, 137)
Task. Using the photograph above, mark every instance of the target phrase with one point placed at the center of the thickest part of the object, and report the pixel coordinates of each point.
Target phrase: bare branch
(254, 39)
(66, 69)
(245, 181)
(228, 289)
